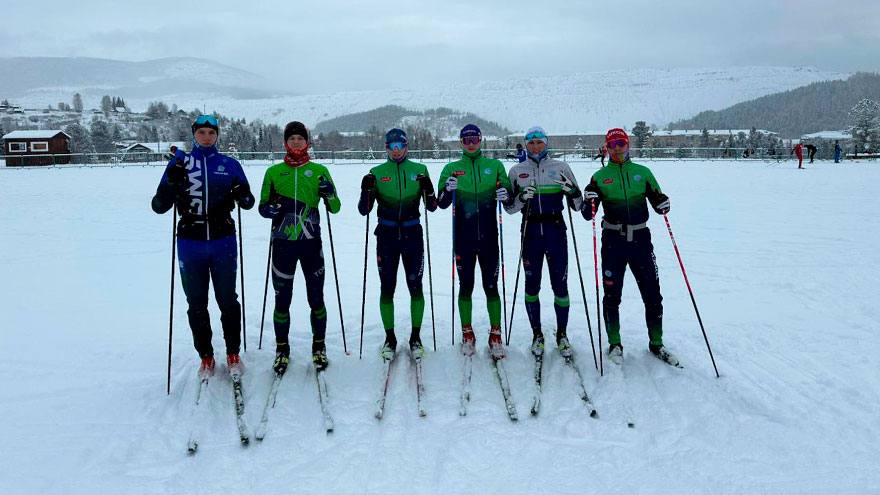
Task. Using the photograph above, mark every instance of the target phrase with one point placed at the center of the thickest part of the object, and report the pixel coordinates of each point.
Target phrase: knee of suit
(491, 291)
(465, 289)
(532, 298)
(197, 311)
(611, 299)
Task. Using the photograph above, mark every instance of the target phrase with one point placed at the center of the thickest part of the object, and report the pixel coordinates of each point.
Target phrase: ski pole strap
(624, 229)
(394, 223)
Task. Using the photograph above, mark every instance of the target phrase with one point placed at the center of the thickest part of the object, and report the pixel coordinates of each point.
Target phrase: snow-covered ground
(783, 263)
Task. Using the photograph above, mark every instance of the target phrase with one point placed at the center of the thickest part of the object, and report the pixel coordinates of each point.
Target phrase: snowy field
(784, 267)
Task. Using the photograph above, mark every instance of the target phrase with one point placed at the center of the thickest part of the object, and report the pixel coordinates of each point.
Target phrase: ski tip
(245, 441)
(630, 425)
(191, 450)
(594, 414)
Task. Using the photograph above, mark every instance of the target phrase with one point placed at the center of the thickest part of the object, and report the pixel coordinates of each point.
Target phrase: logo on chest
(524, 176)
(385, 179)
(308, 173)
(458, 173)
(637, 178)
(487, 171)
(608, 181)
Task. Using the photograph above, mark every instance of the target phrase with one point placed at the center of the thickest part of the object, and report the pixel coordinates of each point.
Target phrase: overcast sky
(340, 44)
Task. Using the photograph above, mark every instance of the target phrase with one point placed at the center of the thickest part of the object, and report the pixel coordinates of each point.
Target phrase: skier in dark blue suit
(205, 185)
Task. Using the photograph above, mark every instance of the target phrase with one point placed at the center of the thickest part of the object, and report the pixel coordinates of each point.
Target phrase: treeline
(820, 106)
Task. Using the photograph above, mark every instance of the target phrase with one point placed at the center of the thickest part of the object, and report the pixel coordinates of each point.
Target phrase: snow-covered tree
(106, 104)
(77, 103)
(641, 131)
(80, 142)
(865, 129)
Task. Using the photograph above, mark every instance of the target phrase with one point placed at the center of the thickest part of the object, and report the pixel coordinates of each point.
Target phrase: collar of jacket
(203, 151)
(473, 156)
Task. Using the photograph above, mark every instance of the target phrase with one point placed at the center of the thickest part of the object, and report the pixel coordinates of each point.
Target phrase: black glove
(427, 186)
(177, 176)
(368, 183)
(663, 207)
(325, 188)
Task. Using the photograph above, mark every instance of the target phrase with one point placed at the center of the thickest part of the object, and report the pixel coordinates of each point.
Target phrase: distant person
(603, 151)
(521, 155)
(204, 185)
(837, 151)
(811, 149)
(798, 151)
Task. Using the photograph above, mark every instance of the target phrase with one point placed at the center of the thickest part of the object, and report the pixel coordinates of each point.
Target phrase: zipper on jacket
(207, 188)
(476, 196)
(625, 197)
(399, 203)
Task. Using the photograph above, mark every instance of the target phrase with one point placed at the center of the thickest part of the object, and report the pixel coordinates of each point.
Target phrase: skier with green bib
(477, 184)
(291, 194)
(399, 186)
(624, 189)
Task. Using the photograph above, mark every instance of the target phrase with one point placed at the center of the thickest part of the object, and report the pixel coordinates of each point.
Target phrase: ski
(238, 396)
(324, 398)
(420, 386)
(192, 444)
(581, 389)
(466, 384)
(536, 398)
(380, 404)
(501, 373)
(263, 427)
(668, 358)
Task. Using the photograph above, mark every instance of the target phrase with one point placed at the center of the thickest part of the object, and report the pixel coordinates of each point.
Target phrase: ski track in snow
(782, 262)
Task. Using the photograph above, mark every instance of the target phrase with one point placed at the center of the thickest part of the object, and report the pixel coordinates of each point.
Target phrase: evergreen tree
(80, 143)
(704, 138)
(77, 103)
(106, 104)
(864, 118)
(102, 137)
(641, 131)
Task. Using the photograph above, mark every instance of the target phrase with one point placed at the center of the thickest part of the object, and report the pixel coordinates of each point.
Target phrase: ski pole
(430, 276)
(596, 272)
(241, 262)
(452, 286)
(503, 273)
(364, 291)
(265, 291)
(336, 277)
(691, 292)
(577, 258)
(171, 305)
(522, 242)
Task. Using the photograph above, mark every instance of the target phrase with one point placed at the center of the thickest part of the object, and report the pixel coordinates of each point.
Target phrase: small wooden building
(26, 148)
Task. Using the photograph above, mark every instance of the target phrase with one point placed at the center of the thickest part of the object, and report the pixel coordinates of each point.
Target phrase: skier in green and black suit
(624, 189)
(398, 186)
(292, 191)
(478, 183)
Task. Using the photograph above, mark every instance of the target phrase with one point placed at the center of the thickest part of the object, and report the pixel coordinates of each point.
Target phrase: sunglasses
(536, 135)
(207, 119)
(396, 146)
(617, 143)
(471, 140)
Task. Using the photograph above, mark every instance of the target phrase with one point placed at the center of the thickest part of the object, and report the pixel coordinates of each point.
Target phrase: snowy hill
(561, 103)
(55, 79)
(788, 294)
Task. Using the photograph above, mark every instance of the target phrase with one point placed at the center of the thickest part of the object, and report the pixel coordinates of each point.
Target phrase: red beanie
(614, 134)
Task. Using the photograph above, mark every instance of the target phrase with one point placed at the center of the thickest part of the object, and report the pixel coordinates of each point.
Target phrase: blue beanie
(395, 136)
(470, 130)
(536, 132)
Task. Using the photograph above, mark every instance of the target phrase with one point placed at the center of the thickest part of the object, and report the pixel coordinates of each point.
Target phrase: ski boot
(468, 340)
(615, 353)
(206, 368)
(282, 358)
(389, 346)
(319, 355)
(234, 364)
(416, 349)
(537, 343)
(664, 355)
(563, 345)
(496, 347)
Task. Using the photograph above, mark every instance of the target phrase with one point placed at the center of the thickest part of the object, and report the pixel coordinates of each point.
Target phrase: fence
(372, 156)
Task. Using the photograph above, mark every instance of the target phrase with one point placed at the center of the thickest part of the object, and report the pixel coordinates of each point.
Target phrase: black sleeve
(654, 197)
(430, 202)
(444, 199)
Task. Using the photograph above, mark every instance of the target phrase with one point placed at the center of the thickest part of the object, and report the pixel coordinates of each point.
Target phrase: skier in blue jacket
(205, 185)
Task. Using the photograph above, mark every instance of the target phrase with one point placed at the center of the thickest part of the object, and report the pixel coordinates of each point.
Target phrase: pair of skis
(388, 366)
(323, 398)
(503, 381)
(198, 411)
(579, 385)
